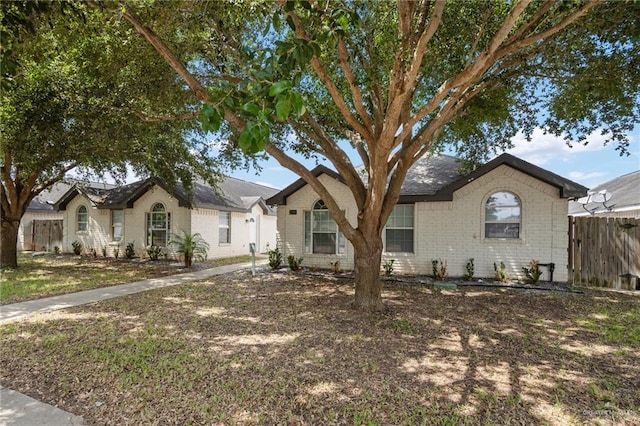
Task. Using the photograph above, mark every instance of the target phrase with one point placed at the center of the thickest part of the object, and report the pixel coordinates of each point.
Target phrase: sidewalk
(20, 410)
(17, 311)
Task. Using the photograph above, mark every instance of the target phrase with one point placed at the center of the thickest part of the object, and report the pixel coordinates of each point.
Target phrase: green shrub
(388, 267)
(130, 251)
(191, 246)
(275, 258)
(469, 270)
(439, 268)
(77, 247)
(116, 252)
(294, 262)
(154, 252)
(501, 272)
(532, 272)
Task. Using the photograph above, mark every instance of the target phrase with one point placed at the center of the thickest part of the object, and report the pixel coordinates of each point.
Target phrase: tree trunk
(9, 244)
(368, 257)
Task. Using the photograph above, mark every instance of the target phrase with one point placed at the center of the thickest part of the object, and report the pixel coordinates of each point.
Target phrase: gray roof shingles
(624, 190)
(436, 178)
(233, 195)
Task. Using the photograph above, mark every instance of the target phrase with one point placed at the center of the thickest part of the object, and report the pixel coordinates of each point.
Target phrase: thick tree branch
(338, 158)
(329, 84)
(343, 58)
(336, 212)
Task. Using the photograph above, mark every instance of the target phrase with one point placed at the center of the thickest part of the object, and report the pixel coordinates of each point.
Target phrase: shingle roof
(46, 199)
(233, 195)
(436, 178)
(624, 190)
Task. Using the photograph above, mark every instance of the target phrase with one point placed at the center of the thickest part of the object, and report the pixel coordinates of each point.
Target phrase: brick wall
(454, 231)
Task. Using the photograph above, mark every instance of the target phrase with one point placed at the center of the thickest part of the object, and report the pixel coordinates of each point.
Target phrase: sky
(588, 165)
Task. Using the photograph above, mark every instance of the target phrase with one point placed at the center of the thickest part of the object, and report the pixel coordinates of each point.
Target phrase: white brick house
(505, 211)
(148, 212)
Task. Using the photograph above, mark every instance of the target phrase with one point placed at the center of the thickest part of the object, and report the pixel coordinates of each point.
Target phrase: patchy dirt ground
(288, 349)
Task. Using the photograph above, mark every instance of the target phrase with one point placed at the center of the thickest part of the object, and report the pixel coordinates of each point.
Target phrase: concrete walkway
(17, 409)
(17, 311)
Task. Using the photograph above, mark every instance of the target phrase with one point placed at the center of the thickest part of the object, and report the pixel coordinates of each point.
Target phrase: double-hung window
(321, 233)
(158, 226)
(224, 227)
(117, 225)
(82, 219)
(399, 230)
(502, 216)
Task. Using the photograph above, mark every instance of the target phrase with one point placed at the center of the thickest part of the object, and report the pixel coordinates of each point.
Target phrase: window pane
(502, 230)
(224, 228)
(323, 222)
(83, 218)
(503, 199)
(399, 240)
(503, 214)
(117, 217)
(307, 232)
(159, 238)
(401, 216)
(324, 243)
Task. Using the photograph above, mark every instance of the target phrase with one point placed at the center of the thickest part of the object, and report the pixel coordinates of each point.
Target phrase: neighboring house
(507, 210)
(148, 212)
(622, 199)
(41, 226)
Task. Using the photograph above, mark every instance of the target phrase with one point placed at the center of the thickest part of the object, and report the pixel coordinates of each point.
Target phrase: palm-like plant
(191, 246)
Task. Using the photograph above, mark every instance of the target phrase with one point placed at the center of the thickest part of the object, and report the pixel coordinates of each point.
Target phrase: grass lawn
(287, 349)
(50, 275)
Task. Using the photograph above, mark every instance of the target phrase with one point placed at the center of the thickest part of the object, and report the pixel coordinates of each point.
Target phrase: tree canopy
(73, 98)
(396, 81)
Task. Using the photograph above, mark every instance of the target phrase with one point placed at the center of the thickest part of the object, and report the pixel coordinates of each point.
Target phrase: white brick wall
(203, 221)
(454, 231)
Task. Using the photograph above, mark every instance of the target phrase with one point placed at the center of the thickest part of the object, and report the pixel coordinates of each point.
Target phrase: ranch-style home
(507, 211)
(41, 227)
(148, 212)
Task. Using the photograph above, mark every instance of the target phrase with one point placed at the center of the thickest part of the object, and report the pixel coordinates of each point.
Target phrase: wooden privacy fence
(46, 234)
(605, 252)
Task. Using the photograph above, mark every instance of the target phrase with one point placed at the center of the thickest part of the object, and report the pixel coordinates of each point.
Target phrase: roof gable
(436, 178)
(231, 196)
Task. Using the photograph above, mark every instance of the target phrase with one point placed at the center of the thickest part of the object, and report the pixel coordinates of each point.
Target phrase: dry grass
(50, 275)
(287, 349)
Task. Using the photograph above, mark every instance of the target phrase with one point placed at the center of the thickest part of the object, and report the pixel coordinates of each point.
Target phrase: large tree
(395, 81)
(73, 99)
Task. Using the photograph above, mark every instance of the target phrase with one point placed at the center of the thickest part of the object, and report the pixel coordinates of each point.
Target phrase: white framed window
(224, 228)
(399, 229)
(321, 233)
(502, 216)
(82, 219)
(158, 226)
(117, 225)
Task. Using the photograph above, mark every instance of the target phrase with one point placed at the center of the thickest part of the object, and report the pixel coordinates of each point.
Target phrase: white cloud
(581, 176)
(270, 185)
(546, 147)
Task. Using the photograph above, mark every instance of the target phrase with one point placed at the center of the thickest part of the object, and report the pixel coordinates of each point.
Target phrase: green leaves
(211, 118)
(254, 137)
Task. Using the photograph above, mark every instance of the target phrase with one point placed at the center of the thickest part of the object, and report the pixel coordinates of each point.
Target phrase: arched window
(158, 226)
(502, 216)
(321, 234)
(82, 218)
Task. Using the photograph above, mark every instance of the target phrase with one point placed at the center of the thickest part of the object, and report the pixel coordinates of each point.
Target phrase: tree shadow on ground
(289, 349)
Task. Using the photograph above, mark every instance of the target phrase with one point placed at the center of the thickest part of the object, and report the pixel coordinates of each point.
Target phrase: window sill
(503, 240)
